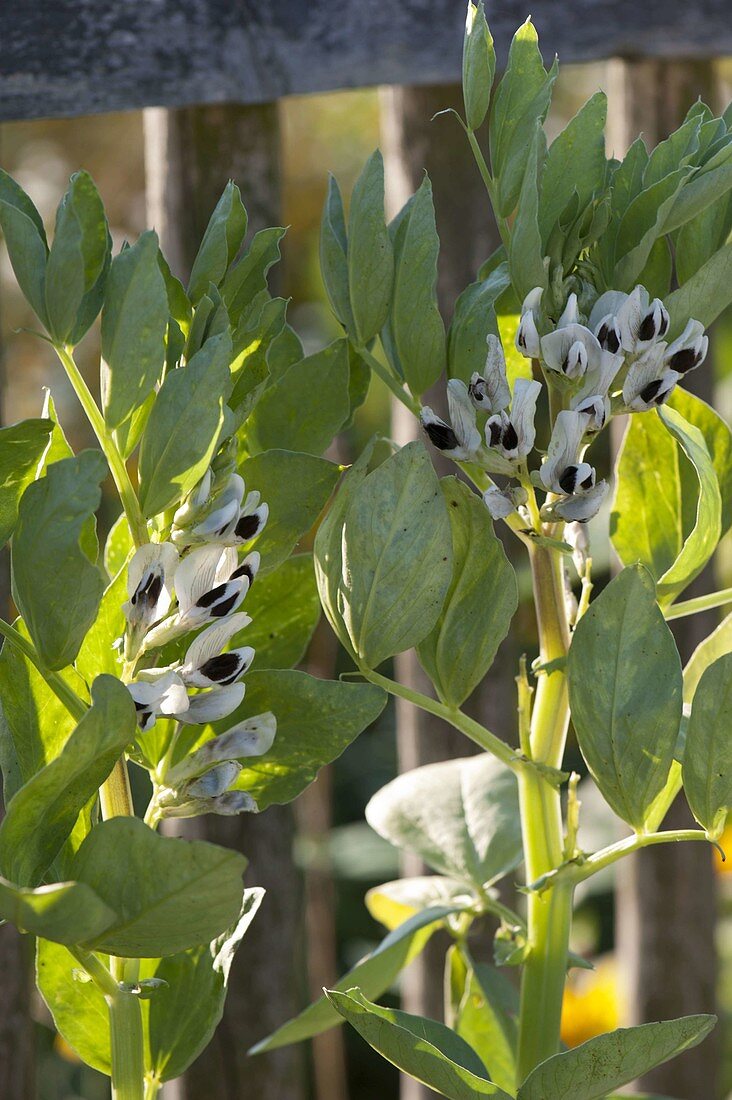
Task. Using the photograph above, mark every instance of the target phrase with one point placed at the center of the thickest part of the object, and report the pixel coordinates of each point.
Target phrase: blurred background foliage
(333, 132)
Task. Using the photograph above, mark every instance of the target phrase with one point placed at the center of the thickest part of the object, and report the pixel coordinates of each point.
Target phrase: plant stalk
(549, 915)
(130, 503)
(125, 1022)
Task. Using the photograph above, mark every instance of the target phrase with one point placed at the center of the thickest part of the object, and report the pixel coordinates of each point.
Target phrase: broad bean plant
(594, 307)
(168, 651)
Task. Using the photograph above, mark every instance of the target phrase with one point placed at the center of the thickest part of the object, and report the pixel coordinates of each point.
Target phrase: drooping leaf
(186, 891)
(64, 912)
(182, 431)
(370, 255)
(43, 812)
(424, 1049)
(182, 1016)
(316, 721)
(374, 974)
(134, 325)
(417, 328)
(296, 487)
(590, 1070)
(77, 1006)
(56, 587)
(707, 767)
(625, 693)
(460, 816)
(397, 557)
(21, 449)
(305, 407)
(221, 242)
(718, 438)
(285, 609)
(479, 604)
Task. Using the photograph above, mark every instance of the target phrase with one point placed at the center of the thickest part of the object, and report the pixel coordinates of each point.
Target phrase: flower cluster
(197, 580)
(614, 361)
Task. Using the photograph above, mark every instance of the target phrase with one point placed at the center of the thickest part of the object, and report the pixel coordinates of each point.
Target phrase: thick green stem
(549, 915)
(127, 495)
(125, 1022)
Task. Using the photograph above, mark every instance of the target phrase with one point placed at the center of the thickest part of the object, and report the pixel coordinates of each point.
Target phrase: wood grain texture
(74, 57)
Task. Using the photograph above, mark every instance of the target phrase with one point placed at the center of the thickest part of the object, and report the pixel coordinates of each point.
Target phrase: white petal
(556, 347)
(528, 343)
(213, 640)
(607, 304)
(214, 782)
(498, 504)
(222, 669)
(462, 415)
(212, 705)
(646, 369)
(532, 301)
(441, 434)
(523, 410)
(499, 395)
(199, 572)
(569, 428)
(570, 316)
(582, 506)
(630, 315)
(218, 520)
(252, 737)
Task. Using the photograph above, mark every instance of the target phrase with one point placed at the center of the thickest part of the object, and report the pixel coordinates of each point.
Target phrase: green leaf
(479, 604)
(397, 557)
(484, 1010)
(417, 327)
(183, 1015)
(134, 325)
(715, 645)
(702, 236)
(252, 342)
(34, 723)
(374, 974)
(522, 98)
(392, 903)
(460, 816)
(590, 1070)
(98, 652)
(702, 541)
(705, 295)
(370, 255)
(424, 1049)
(248, 277)
(77, 1006)
(25, 239)
(297, 488)
(64, 912)
(185, 892)
(665, 514)
(479, 66)
(641, 225)
(707, 765)
(42, 814)
(119, 545)
(705, 187)
(78, 254)
(525, 252)
(221, 242)
(285, 609)
(316, 721)
(334, 255)
(473, 320)
(625, 693)
(182, 432)
(21, 449)
(305, 407)
(575, 162)
(56, 587)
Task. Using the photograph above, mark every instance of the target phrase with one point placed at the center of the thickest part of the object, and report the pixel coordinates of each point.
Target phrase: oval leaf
(370, 255)
(707, 767)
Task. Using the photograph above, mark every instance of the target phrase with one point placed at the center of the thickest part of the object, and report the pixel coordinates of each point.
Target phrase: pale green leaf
(707, 766)
(370, 256)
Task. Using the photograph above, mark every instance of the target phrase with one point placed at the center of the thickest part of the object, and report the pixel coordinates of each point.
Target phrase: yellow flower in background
(592, 1003)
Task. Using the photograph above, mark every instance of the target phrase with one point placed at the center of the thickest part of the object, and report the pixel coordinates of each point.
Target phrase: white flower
(689, 350)
(225, 520)
(252, 737)
(149, 587)
(159, 694)
(501, 504)
(527, 334)
(207, 665)
(582, 506)
(514, 435)
(641, 322)
(608, 333)
(211, 706)
(649, 381)
(592, 396)
(462, 415)
(209, 584)
(442, 435)
(195, 502)
(213, 782)
(228, 804)
(490, 391)
(561, 472)
(575, 533)
(571, 351)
